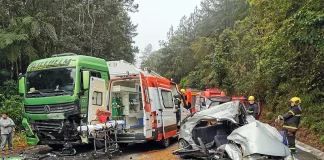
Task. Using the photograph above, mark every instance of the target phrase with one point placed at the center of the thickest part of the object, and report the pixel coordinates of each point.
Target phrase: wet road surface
(150, 151)
(132, 152)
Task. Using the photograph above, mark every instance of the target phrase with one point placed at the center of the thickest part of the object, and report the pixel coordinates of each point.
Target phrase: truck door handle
(147, 119)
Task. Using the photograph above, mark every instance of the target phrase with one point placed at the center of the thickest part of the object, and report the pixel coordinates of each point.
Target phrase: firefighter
(252, 108)
(291, 121)
(184, 98)
(177, 102)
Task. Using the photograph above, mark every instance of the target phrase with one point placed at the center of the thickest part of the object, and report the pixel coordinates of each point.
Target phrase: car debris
(226, 131)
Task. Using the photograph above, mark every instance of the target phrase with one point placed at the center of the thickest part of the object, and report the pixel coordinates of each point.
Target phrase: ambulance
(144, 101)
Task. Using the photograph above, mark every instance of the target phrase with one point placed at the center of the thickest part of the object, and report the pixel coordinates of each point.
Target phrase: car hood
(253, 137)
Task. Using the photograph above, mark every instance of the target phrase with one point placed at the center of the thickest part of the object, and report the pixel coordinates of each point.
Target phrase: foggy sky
(155, 17)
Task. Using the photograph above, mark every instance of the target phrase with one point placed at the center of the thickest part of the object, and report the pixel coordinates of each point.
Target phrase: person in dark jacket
(177, 111)
(291, 122)
(252, 108)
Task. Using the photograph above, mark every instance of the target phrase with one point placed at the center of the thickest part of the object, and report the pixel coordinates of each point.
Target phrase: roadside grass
(19, 145)
(19, 140)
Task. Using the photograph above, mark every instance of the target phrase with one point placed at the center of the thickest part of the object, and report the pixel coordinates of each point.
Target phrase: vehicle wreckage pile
(226, 131)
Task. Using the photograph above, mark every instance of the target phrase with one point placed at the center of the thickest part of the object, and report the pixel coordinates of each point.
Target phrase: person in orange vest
(184, 98)
(291, 122)
(185, 103)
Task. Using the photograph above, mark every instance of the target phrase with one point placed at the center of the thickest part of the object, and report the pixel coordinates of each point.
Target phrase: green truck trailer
(56, 94)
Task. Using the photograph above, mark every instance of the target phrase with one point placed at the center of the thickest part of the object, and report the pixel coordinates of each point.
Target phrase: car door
(97, 98)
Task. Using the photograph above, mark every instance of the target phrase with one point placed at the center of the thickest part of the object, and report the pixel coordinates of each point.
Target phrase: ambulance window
(167, 99)
(97, 98)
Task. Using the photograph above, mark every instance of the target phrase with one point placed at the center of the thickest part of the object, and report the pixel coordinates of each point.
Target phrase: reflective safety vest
(292, 118)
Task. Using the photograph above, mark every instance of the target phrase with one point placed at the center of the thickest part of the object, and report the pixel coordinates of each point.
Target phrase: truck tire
(164, 143)
(56, 147)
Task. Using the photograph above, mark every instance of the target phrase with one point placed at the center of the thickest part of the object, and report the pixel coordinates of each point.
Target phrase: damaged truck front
(56, 97)
(226, 131)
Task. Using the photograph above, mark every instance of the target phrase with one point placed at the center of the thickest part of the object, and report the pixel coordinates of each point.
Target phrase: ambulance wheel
(165, 143)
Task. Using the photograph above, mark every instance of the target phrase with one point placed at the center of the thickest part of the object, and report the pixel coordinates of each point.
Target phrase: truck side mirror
(85, 79)
(21, 85)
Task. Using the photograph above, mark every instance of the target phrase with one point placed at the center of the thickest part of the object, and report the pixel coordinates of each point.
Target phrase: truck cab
(58, 92)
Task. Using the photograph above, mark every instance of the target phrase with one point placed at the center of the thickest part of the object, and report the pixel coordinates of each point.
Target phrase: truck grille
(55, 126)
(52, 108)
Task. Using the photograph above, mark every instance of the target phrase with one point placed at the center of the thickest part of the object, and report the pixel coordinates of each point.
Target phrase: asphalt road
(150, 151)
(132, 152)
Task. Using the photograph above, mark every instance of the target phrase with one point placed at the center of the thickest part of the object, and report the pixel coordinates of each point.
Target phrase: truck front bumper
(31, 137)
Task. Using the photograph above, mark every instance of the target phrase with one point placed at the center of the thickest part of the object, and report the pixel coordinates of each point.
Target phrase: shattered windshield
(44, 82)
(214, 101)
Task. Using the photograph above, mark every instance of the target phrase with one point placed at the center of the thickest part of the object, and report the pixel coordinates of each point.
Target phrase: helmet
(251, 98)
(296, 100)
(183, 91)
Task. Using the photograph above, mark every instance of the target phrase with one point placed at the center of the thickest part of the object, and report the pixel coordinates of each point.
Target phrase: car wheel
(165, 143)
(183, 144)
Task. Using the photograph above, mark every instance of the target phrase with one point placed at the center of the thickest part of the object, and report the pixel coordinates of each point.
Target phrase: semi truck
(67, 90)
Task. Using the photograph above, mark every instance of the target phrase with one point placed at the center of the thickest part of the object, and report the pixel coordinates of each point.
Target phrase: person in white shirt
(7, 127)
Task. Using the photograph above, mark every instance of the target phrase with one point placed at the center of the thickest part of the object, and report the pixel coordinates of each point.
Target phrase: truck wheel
(165, 143)
(56, 147)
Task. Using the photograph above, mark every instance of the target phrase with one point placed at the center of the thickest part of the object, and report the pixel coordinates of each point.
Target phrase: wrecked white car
(226, 131)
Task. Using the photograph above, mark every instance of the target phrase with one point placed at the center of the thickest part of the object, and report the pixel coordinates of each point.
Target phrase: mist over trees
(272, 49)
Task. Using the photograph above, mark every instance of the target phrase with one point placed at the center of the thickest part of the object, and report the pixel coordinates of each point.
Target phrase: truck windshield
(50, 82)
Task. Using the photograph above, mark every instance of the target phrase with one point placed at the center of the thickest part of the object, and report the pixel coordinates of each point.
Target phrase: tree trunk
(62, 21)
(17, 72)
(12, 68)
(20, 62)
(91, 31)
